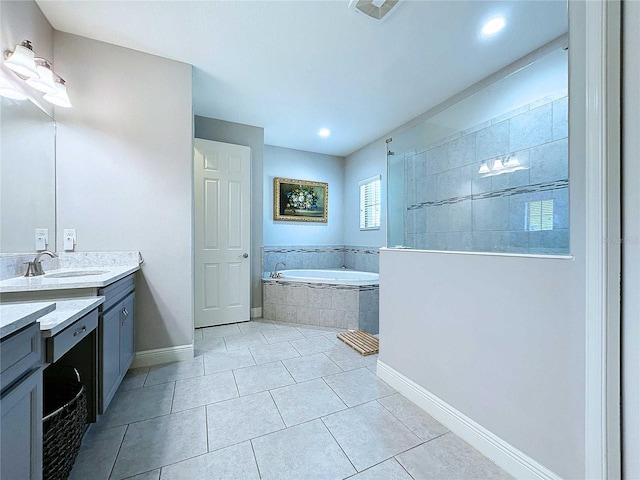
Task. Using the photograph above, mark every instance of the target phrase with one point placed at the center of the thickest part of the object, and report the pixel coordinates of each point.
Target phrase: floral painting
(300, 200)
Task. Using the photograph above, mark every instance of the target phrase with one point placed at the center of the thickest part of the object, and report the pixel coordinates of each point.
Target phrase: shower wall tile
(492, 141)
(420, 222)
(462, 151)
(426, 189)
(531, 128)
(482, 241)
(561, 209)
(453, 183)
(491, 214)
(549, 241)
(480, 184)
(459, 241)
(437, 159)
(420, 165)
(518, 242)
(560, 118)
(409, 166)
(549, 162)
(459, 217)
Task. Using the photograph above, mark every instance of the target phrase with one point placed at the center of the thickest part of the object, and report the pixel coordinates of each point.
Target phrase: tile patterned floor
(265, 400)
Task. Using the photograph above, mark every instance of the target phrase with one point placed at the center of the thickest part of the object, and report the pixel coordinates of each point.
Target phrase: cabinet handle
(79, 331)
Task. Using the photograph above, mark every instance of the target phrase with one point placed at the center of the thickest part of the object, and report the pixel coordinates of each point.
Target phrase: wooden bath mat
(361, 341)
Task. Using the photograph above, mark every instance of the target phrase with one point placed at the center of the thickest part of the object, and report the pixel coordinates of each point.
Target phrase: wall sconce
(38, 73)
(506, 164)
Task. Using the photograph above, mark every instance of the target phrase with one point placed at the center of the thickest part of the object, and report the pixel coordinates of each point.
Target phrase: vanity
(79, 314)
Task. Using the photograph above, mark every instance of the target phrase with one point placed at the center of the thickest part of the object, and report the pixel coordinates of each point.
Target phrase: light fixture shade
(22, 60)
(513, 162)
(497, 165)
(44, 81)
(484, 168)
(60, 97)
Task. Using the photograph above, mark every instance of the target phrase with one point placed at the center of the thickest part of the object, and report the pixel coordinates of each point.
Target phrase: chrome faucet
(34, 268)
(275, 273)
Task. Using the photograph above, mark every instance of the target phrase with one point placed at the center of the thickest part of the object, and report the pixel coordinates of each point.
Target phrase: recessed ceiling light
(324, 132)
(493, 26)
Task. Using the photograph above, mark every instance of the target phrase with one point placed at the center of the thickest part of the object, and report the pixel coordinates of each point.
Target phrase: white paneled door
(222, 192)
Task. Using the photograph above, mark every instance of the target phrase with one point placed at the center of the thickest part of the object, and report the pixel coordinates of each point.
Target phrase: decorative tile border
(506, 192)
(354, 257)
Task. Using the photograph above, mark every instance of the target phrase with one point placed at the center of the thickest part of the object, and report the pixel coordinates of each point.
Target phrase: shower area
(487, 171)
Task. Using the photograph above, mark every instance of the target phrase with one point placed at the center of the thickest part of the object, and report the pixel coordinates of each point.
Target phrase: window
(370, 203)
(539, 215)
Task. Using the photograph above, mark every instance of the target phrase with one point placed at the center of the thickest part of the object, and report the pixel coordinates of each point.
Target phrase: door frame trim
(602, 263)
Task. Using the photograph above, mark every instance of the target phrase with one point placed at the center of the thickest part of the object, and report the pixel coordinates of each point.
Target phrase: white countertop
(45, 282)
(67, 312)
(14, 316)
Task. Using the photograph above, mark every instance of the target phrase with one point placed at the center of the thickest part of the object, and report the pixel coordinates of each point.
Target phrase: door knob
(245, 255)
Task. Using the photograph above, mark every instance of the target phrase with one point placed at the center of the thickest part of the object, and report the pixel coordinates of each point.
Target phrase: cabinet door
(126, 333)
(21, 429)
(110, 355)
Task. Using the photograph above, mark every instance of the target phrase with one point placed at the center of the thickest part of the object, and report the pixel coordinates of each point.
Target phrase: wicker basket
(64, 426)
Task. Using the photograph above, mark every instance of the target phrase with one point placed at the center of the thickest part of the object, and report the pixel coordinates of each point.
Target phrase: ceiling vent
(376, 9)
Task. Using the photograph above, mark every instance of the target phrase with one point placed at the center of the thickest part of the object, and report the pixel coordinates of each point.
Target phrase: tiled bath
(364, 259)
(338, 306)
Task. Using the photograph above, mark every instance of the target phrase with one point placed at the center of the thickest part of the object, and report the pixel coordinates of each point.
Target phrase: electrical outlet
(42, 238)
(69, 238)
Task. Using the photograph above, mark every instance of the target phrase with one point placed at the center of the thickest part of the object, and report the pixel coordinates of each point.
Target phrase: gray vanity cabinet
(116, 333)
(21, 405)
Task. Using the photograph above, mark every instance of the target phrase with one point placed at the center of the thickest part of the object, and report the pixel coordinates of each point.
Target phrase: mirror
(27, 176)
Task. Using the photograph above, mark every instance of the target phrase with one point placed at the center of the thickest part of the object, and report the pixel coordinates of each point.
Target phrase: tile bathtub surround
(364, 259)
(449, 206)
(214, 424)
(340, 306)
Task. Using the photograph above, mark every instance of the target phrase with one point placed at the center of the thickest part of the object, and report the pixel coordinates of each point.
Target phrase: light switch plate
(69, 238)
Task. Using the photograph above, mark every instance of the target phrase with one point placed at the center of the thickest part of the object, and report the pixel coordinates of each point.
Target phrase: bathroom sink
(75, 273)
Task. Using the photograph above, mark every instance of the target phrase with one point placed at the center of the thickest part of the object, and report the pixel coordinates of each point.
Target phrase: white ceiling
(295, 66)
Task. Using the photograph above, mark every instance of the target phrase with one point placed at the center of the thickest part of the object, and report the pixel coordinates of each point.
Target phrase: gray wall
(253, 137)
(631, 243)
(124, 174)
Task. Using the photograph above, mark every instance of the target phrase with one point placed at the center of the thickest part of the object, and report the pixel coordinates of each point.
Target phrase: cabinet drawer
(115, 292)
(19, 353)
(61, 343)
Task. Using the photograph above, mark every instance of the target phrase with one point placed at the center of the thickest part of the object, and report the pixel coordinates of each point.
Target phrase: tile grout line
(117, 454)
(338, 443)
(255, 459)
(278, 409)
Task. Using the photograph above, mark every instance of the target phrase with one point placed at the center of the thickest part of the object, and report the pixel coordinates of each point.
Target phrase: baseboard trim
(148, 358)
(493, 447)
(256, 312)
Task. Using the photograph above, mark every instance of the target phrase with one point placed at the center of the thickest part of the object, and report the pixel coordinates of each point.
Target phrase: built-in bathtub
(337, 298)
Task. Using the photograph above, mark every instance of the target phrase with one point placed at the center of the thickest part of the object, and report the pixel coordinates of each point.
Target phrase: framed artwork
(300, 200)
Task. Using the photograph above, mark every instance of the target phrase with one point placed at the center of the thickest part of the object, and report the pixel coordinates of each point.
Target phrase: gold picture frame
(300, 200)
